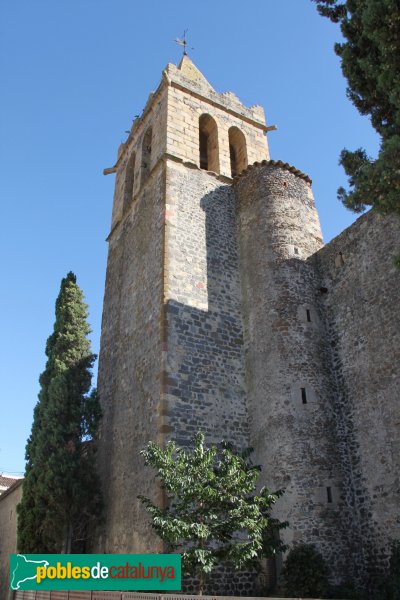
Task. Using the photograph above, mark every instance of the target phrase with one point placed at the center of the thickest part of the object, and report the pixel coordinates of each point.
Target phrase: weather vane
(183, 42)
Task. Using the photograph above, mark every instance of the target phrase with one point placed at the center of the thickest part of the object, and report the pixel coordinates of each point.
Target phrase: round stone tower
(291, 392)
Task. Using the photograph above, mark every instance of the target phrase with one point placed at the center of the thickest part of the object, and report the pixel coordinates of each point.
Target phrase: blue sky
(73, 75)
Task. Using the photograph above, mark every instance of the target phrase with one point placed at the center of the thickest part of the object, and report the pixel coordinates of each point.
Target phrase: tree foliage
(61, 488)
(370, 62)
(213, 512)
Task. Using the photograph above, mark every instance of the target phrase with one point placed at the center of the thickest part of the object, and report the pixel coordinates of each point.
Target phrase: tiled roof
(6, 481)
(276, 163)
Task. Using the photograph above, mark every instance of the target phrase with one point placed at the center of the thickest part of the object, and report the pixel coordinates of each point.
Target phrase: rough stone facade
(361, 308)
(130, 366)
(204, 371)
(224, 312)
(289, 382)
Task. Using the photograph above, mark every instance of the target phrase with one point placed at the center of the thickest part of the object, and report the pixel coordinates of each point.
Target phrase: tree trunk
(201, 583)
(68, 539)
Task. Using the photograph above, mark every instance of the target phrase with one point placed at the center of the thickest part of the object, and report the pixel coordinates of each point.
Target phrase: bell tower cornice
(188, 78)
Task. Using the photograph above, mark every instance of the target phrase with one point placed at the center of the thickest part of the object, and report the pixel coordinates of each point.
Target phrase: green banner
(156, 572)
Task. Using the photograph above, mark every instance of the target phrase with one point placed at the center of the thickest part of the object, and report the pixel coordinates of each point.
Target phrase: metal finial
(183, 42)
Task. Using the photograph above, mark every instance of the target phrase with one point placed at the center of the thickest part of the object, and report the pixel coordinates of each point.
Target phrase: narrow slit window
(329, 494)
(339, 260)
(296, 250)
(308, 315)
(146, 154)
(233, 159)
(203, 151)
(303, 395)
(129, 180)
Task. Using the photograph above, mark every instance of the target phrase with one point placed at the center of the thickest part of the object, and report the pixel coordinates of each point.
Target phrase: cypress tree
(370, 62)
(61, 494)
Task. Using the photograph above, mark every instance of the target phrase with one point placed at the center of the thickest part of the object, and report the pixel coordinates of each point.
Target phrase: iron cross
(183, 42)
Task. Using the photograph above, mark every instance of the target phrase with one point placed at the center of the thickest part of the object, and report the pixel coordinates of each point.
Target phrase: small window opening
(296, 250)
(146, 155)
(203, 151)
(303, 395)
(329, 494)
(237, 151)
(232, 156)
(129, 180)
(339, 260)
(208, 144)
(308, 315)
(285, 184)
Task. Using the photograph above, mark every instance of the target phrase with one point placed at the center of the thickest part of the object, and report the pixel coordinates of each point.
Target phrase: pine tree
(213, 513)
(370, 62)
(61, 488)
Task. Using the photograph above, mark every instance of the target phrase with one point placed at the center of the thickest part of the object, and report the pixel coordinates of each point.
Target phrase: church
(224, 312)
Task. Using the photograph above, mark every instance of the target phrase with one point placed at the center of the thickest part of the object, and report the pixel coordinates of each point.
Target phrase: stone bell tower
(212, 317)
(171, 360)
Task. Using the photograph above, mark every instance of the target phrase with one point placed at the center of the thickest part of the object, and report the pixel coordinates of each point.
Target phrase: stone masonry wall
(130, 369)
(362, 311)
(155, 116)
(8, 535)
(290, 389)
(204, 373)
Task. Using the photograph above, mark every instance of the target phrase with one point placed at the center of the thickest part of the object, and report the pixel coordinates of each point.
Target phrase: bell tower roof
(187, 78)
(190, 71)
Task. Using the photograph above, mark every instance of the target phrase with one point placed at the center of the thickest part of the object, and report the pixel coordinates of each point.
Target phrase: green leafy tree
(61, 488)
(370, 62)
(213, 513)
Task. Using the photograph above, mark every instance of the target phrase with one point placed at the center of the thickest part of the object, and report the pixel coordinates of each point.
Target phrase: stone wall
(362, 311)
(97, 595)
(8, 534)
(130, 369)
(289, 384)
(204, 373)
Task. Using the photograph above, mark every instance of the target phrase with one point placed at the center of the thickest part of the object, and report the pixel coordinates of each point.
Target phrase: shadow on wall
(206, 369)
